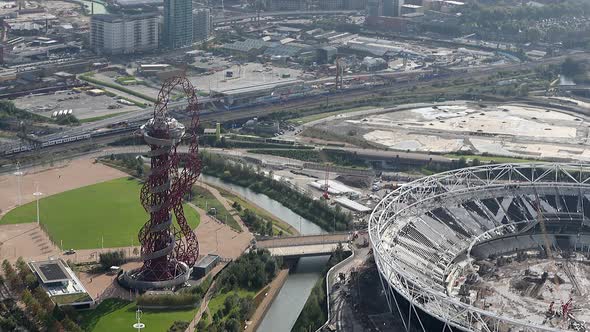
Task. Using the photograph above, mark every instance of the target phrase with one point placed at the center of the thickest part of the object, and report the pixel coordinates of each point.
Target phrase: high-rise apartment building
(201, 24)
(178, 23)
(123, 34)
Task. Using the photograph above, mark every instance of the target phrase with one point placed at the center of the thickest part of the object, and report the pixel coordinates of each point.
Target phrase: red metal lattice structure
(168, 250)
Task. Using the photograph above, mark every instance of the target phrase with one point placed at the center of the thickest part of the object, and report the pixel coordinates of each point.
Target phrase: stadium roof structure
(432, 235)
(51, 271)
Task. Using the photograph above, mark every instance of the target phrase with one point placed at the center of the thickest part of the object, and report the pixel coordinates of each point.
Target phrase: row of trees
(111, 258)
(130, 162)
(255, 224)
(251, 271)
(41, 312)
(316, 211)
(235, 311)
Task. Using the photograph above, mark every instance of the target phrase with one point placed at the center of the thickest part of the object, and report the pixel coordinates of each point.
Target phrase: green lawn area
(278, 225)
(318, 116)
(102, 117)
(205, 200)
(216, 303)
(114, 315)
(82, 217)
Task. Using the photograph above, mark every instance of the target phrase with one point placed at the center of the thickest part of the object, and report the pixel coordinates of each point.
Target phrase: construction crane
(567, 308)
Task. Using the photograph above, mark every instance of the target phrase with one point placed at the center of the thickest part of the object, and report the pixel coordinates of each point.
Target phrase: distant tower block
(168, 251)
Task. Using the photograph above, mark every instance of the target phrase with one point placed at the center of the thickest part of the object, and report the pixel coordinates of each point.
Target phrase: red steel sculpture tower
(168, 250)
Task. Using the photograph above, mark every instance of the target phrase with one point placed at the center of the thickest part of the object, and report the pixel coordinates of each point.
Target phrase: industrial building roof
(248, 45)
(283, 50)
(352, 205)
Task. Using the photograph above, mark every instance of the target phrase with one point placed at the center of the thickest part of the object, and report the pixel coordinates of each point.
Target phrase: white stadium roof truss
(399, 222)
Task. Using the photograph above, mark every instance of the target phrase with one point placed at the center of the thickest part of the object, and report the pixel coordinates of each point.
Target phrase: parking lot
(241, 76)
(83, 106)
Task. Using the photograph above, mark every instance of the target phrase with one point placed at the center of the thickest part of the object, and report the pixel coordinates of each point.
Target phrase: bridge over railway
(304, 246)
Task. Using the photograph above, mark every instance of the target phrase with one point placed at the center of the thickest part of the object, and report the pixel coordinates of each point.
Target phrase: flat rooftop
(51, 271)
(207, 260)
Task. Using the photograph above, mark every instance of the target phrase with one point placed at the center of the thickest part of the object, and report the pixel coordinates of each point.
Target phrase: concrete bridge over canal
(304, 246)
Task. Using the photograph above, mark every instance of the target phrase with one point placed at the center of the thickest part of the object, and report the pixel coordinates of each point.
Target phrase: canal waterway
(290, 301)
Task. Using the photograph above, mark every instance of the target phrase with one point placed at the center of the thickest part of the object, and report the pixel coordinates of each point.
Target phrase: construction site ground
(517, 290)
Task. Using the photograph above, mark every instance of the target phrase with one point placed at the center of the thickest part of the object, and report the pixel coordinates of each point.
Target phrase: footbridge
(305, 245)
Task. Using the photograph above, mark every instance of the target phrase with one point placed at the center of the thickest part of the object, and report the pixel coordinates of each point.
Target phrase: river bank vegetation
(315, 210)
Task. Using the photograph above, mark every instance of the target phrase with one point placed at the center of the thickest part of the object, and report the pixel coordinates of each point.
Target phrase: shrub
(113, 258)
(179, 326)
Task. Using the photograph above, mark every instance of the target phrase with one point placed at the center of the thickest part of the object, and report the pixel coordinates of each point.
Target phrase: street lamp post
(139, 325)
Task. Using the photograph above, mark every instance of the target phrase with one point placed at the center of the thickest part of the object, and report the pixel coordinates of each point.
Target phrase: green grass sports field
(114, 315)
(83, 217)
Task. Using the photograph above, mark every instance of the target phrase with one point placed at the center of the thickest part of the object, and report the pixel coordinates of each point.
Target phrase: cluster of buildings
(178, 26)
(394, 14)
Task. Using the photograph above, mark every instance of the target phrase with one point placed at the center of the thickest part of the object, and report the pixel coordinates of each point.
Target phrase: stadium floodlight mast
(18, 173)
(139, 325)
(37, 194)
